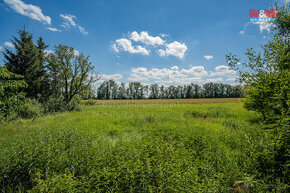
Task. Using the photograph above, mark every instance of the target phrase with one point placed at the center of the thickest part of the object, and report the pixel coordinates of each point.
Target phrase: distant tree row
(135, 90)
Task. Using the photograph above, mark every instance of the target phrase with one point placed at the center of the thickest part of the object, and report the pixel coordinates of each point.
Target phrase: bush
(53, 105)
(74, 104)
(11, 97)
(30, 109)
(89, 102)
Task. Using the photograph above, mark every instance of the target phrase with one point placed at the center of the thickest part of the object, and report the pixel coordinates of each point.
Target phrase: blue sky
(152, 41)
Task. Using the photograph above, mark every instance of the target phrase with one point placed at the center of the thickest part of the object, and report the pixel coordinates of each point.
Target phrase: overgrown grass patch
(123, 148)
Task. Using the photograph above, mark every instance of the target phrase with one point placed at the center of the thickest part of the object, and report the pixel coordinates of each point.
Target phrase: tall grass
(134, 148)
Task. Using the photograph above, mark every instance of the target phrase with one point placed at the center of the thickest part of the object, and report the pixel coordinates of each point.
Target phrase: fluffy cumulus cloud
(176, 76)
(168, 76)
(215, 80)
(111, 77)
(174, 68)
(69, 21)
(9, 44)
(223, 71)
(208, 57)
(145, 38)
(29, 10)
(126, 45)
(53, 29)
(264, 26)
(146, 42)
(175, 49)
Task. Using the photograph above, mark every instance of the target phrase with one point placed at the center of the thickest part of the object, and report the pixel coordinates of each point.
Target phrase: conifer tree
(27, 60)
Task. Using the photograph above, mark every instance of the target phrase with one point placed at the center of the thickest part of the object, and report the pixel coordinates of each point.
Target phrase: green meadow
(184, 147)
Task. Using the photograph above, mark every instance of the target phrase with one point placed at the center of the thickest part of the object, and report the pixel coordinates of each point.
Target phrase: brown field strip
(169, 101)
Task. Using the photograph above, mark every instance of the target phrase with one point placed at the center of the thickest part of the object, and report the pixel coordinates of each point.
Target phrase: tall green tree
(122, 91)
(27, 59)
(154, 91)
(71, 74)
(265, 75)
(44, 78)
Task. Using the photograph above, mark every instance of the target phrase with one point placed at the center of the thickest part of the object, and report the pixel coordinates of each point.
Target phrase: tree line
(109, 89)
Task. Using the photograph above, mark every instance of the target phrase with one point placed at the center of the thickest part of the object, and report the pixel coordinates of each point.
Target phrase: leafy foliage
(266, 76)
(109, 89)
(28, 60)
(11, 95)
(71, 74)
(53, 105)
(30, 109)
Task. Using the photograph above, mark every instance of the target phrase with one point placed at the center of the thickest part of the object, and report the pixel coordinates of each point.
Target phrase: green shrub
(89, 102)
(11, 97)
(53, 105)
(30, 109)
(74, 104)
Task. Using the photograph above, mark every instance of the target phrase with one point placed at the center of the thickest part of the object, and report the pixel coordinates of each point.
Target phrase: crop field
(190, 145)
(168, 101)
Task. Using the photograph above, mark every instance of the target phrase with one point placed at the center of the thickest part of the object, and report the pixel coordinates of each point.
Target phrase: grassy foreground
(200, 147)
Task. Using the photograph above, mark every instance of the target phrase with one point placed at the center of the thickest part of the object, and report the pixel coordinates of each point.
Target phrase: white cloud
(164, 35)
(9, 44)
(208, 57)
(47, 52)
(68, 20)
(126, 45)
(242, 32)
(196, 71)
(264, 26)
(176, 76)
(53, 29)
(111, 76)
(82, 30)
(231, 79)
(174, 68)
(168, 75)
(175, 49)
(214, 80)
(29, 10)
(114, 47)
(76, 52)
(145, 38)
(223, 71)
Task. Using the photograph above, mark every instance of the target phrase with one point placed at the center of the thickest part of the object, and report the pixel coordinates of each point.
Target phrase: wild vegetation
(50, 82)
(163, 145)
(202, 147)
